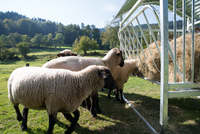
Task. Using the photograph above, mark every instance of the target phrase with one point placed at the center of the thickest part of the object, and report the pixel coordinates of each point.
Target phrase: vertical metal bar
(142, 35)
(192, 51)
(137, 41)
(183, 14)
(164, 65)
(174, 10)
(150, 29)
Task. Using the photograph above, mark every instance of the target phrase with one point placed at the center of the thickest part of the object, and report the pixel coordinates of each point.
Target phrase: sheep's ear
(103, 74)
(73, 54)
(60, 55)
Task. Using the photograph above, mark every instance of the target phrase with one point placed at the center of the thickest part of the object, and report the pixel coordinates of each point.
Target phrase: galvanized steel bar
(174, 10)
(151, 32)
(147, 44)
(176, 94)
(146, 122)
(132, 10)
(138, 40)
(183, 27)
(192, 48)
(144, 8)
(164, 65)
(135, 48)
(183, 85)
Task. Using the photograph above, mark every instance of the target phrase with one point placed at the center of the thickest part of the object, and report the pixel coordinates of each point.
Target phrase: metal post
(174, 10)
(164, 65)
(183, 26)
(192, 48)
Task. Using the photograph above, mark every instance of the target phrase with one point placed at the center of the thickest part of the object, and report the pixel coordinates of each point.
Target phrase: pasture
(117, 118)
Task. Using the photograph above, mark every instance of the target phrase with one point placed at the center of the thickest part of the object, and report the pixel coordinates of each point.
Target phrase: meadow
(116, 118)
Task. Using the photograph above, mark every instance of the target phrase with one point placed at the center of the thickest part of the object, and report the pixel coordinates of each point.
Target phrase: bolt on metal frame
(131, 41)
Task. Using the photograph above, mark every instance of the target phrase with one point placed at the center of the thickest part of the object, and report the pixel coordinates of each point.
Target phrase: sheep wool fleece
(52, 89)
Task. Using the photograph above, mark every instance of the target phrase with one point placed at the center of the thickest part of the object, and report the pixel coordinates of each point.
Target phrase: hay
(149, 71)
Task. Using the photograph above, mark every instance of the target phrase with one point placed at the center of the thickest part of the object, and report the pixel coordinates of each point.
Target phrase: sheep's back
(73, 63)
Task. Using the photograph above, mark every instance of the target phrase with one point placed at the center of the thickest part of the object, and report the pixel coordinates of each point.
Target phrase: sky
(92, 12)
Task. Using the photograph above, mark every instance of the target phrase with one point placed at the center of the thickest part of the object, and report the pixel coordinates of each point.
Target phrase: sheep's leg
(121, 93)
(109, 94)
(88, 103)
(68, 116)
(52, 122)
(75, 120)
(19, 115)
(84, 103)
(25, 117)
(97, 105)
(117, 95)
(93, 108)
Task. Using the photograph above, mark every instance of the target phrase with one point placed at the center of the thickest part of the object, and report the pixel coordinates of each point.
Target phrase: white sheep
(66, 52)
(54, 90)
(111, 60)
(121, 76)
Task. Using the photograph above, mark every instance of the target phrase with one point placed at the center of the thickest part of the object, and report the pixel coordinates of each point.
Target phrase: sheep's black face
(110, 82)
(60, 55)
(122, 59)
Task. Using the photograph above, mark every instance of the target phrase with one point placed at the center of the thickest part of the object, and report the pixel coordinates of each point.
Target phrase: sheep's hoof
(94, 115)
(19, 118)
(24, 128)
(122, 101)
(117, 99)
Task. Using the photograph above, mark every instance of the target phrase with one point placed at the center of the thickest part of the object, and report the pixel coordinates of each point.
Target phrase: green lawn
(184, 113)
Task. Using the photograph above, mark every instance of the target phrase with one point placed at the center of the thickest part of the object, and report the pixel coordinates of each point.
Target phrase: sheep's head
(108, 78)
(118, 56)
(66, 52)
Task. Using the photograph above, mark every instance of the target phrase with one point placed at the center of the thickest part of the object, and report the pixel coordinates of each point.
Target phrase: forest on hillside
(12, 22)
(20, 32)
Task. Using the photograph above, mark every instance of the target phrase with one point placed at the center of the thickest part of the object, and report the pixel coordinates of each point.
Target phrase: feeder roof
(128, 4)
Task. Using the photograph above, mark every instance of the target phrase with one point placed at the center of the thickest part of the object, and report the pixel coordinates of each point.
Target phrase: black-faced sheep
(54, 90)
(121, 75)
(111, 60)
(66, 52)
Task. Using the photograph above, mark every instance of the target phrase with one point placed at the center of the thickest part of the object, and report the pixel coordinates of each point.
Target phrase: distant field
(117, 118)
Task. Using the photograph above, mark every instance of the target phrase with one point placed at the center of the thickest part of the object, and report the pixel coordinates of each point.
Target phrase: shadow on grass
(181, 111)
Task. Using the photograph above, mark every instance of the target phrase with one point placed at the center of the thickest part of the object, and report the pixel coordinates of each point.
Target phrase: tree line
(16, 29)
(11, 22)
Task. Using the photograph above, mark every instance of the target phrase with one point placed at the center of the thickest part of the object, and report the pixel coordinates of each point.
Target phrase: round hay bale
(149, 71)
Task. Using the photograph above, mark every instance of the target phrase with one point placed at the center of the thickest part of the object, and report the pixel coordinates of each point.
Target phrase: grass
(184, 113)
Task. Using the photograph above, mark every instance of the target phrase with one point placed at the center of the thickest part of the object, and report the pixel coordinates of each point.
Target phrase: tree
(45, 41)
(2, 47)
(25, 38)
(59, 39)
(110, 36)
(84, 43)
(23, 48)
(12, 52)
(50, 39)
(37, 39)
